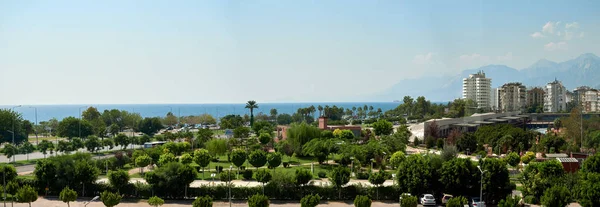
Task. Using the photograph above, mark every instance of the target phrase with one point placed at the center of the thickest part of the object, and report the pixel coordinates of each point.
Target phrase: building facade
(555, 97)
(587, 98)
(535, 96)
(495, 100)
(478, 88)
(512, 97)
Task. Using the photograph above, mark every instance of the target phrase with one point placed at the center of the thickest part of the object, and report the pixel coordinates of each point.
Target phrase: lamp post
(481, 188)
(93, 199)
(36, 123)
(229, 174)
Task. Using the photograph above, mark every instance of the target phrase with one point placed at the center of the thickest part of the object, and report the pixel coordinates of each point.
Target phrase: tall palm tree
(320, 110)
(251, 105)
(312, 110)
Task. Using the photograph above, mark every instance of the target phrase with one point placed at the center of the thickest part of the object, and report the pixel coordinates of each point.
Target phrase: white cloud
(507, 57)
(559, 34)
(581, 35)
(574, 25)
(537, 35)
(549, 27)
(556, 46)
(424, 59)
(568, 35)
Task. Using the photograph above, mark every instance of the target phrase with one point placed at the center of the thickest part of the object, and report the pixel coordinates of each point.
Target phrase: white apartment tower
(555, 97)
(478, 88)
(512, 97)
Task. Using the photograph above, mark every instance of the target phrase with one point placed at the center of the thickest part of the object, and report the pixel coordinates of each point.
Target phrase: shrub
(67, 195)
(457, 202)
(556, 196)
(510, 201)
(203, 201)
(439, 143)
(310, 200)
(362, 175)
(258, 200)
(219, 169)
(416, 142)
(362, 201)
(286, 164)
(110, 199)
(155, 201)
(530, 199)
(408, 201)
(429, 142)
(322, 174)
(247, 174)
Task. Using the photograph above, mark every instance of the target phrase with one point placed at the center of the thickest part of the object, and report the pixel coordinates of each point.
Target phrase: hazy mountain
(583, 70)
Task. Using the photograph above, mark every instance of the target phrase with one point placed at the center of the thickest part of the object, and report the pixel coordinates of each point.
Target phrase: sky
(136, 52)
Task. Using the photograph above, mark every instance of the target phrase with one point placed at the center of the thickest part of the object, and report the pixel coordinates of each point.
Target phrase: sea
(47, 112)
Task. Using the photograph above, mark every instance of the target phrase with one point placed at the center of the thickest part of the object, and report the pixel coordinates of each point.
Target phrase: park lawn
(27, 177)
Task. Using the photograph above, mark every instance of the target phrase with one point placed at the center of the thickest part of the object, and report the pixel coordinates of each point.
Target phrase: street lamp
(372, 160)
(481, 188)
(93, 199)
(36, 123)
(229, 174)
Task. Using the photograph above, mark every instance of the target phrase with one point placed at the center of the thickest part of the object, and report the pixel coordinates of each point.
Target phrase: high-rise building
(587, 98)
(555, 97)
(535, 96)
(512, 97)
(494, 100)
(477, 88)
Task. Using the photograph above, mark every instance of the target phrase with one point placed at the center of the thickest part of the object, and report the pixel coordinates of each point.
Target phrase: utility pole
(481, 182)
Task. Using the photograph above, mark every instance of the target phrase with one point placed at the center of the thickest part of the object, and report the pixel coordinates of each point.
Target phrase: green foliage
(362, 201)
(339, 176)
(92, 144)
(26, 194)
(318, 148)
(592, 164)
(72, 127)
(378, 178)
(202, 157)
(241, 132)
(496, 181)
(12, 187)
(166, 158)
(44, 146)
(528, 157)
(226, 176)
(459, 176)
(204, 135)
(383, 127)
(171, 178)
(552, 144)
(67, 195)
(10, 150)
(430, 142)
(258, 200)
(395, 142)
(556, 196)
(110, 199)
(303, 176)
(238, 157)
(118, 179)
(231, 122)
(537, 177)
(143, 161)
(300, 134)
(122, 140)
(186, 158)
(247, 174)
(408, 201)
(466, 142)
(217, 147)
(439, 143)
(150, 126)
(513, 159)
(265, 138)
(414, 174)
(156, 201)
(257, 158)
(310, 200)
(510, 201)
(457, 202)
(449, 152)
(589, 189)
(203, 201)
(284, 119)
(263, 125)
(7, 119)
(263, 176)
(274, 159)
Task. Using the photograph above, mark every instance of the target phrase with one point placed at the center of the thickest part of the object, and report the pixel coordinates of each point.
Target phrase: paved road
(39, 155)
(244, 183)
(28, 169)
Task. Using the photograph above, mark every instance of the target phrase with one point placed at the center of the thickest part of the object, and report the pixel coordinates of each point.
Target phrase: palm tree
(251, 105)
(312, 110)
(326, 110)
(320, 110)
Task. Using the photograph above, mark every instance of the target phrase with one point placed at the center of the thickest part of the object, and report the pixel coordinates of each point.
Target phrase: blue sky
(77, 52)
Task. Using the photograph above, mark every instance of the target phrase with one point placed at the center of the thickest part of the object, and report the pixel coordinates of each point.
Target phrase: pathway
(252, 183)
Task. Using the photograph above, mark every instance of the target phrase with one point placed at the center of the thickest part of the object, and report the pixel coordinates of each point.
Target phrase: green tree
(217, 147)
(397, 158)
(318, 148)
(310, 200)
(510, 201)
(26, 194)
(231, 122)
(258, 200)
(263, 126)
(12, 188)
(110, 199)
(251, 105)
(118, 179)
(302, 177)
(122, 140)
(241, 132)
(203, 201)
(457, 202)
(528, 157)
(92, 144)
(513, 159)
(202, 158)
(238, 157)
(150, 126)
(274, 159)
(67, 195)
(459, 176)
(171, 178)
(108, 142)
(339, 176)
(44, 146)
(257, 158)
(592, 164)
(408, 201)
(539, 176)
(496, 181)
(383, 127)
(156, 201)
(556, 196)
(26, 148)
(362, 201)
(204, 135)
(8, 118)
(10, 150)
(166, 158)
(589, 189)
(186, 158)
(300, 134)
(377, 179)
(143, 161)
(265, 138)
(263, 176)
(72, 127)
(414, 174)
(284, 119)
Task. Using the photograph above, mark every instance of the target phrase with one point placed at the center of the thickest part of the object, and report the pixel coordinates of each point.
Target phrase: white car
(427, 199)
(476, 202)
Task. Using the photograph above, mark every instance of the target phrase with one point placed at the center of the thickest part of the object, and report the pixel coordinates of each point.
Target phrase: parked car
(476, 202)
(445, 198)
(427, 199)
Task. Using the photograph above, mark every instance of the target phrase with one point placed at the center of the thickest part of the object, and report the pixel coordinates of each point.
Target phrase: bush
(429, 142)
(155, 201)
(457, 202)
(439, 143)
(416, 142)
(247, 174)
(219, 169)
(203, 201)
(286, 164)
(510, 201)
(310, 200)
(322, 174)
(556, 196)
(408, 201)
(258, 200)
(362, 175)
(530, 199)
(362, 201)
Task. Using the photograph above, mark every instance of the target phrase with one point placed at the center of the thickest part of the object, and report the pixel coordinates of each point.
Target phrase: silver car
(427, 200)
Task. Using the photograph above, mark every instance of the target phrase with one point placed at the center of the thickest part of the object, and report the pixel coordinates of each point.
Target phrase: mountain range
(581, 71)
